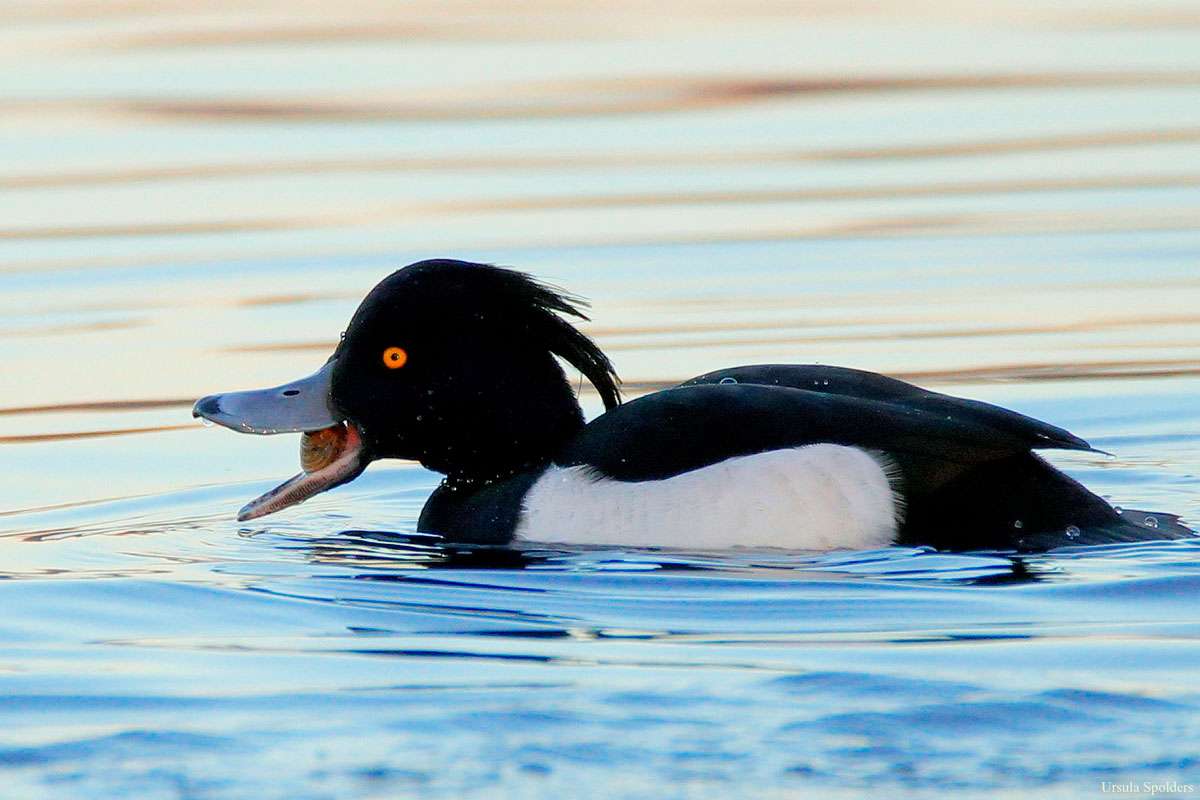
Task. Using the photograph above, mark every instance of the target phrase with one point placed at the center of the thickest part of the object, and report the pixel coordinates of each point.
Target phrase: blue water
(999, 201)
(336, 653)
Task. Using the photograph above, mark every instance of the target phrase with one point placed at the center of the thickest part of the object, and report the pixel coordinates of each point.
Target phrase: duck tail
(1023, 503)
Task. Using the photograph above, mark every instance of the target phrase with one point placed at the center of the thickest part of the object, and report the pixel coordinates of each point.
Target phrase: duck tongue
(330, 457)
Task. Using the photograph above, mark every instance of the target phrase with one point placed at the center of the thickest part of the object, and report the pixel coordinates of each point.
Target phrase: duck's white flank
(817, 497)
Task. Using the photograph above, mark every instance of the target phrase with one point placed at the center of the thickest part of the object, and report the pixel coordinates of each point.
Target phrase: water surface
(193, 198)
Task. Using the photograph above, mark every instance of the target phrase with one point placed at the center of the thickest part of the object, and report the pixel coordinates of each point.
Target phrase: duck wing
(872, 386)
(691, 426)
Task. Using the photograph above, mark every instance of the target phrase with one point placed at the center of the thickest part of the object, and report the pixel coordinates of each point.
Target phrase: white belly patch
(816, 497)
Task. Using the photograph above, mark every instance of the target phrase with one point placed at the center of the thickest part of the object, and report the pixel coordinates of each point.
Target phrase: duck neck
(510, 418)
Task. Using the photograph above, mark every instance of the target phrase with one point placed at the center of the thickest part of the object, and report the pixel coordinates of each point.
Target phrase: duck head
(448, 363)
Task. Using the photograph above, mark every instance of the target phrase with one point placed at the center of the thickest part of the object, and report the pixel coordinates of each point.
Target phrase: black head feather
(544, 303)
(525, 303)
(480, 391)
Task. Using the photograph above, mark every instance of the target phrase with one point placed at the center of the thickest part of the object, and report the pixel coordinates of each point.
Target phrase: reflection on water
(1002, 202)
(305, 654)
(527, 162)
(622, 95)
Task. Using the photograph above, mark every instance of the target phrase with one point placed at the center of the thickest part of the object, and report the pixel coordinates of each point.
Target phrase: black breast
(486, 514)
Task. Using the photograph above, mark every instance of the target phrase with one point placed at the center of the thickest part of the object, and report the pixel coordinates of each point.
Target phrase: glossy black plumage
(873, 386)
(482, 395)
(688, 427)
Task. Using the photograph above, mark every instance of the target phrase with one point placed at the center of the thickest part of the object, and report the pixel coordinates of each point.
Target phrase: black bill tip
(207, 407)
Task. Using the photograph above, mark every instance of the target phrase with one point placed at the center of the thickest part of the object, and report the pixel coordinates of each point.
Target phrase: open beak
(331, 451)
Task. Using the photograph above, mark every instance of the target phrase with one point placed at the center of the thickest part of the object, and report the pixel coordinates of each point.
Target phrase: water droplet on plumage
(727, 381)
(1072, 532)
(1151, 522)
(1018, 524)
(1118, 509)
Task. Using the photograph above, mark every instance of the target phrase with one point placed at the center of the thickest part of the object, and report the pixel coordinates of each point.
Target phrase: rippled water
(1002, 203)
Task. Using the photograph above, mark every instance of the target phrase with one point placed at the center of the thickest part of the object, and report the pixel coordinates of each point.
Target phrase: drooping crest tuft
(563, 338)
(536, 307)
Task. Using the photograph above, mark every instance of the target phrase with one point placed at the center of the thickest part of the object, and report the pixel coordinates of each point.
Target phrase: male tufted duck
(453, 364)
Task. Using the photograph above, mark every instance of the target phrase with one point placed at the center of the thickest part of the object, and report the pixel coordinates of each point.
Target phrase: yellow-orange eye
(395, 357)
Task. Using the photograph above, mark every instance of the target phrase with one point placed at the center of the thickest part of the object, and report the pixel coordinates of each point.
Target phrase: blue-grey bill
(298, 406)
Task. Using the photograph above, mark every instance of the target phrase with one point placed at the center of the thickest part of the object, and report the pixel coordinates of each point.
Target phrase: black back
(873, 386)
(688, 427)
